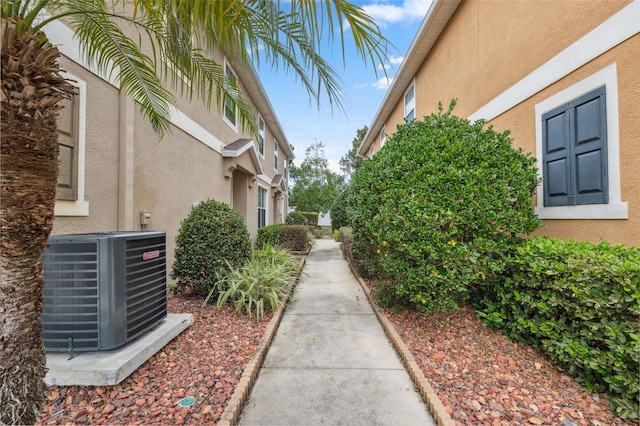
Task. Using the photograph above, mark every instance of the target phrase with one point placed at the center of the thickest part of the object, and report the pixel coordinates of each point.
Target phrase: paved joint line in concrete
(327, 315)
(333, 368)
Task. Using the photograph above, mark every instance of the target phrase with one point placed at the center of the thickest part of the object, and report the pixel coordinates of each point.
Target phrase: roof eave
(249, 77)
(438, 15)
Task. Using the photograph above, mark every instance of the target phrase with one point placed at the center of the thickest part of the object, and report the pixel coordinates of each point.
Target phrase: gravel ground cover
(482, 378)
(205, 362)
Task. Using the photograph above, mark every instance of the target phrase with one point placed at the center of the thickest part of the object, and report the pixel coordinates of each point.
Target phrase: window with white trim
(275, 155)
(262, 207)
(285, 162)
(260, 135)
(410, 103)
(383, 137)
(71, 143)
(230, 108)
(577, 147)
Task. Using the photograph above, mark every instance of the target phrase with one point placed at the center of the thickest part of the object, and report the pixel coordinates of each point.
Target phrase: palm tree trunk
(31, 91)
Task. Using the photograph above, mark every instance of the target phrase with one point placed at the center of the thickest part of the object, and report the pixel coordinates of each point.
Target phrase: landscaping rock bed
(482, 378)
(205, 362)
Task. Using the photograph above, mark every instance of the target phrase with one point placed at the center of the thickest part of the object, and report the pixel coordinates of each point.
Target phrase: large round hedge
(434, 208)
(212, 238)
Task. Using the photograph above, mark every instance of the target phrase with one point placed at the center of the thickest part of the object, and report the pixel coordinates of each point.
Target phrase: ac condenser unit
(102, 290)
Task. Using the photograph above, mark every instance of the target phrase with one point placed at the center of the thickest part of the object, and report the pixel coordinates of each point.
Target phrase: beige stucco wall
(167, 176)
(488, 46)
(101, 183)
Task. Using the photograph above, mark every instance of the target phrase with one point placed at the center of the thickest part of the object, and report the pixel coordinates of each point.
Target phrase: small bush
(580, 303)
(336, 235)
(262, 283)
(269, 235)
(294, 237)
(434, 209)
(296, 218)
(210, 239)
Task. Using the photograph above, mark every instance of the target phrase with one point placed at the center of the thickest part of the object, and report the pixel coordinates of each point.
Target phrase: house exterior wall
(128, 169)
(490, 51)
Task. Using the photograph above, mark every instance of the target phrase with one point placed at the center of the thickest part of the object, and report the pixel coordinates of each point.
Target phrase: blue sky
(303, 123)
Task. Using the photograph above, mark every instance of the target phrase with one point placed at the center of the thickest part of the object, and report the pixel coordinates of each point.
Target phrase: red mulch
(205, 361)
(480, 376)
(483, 378)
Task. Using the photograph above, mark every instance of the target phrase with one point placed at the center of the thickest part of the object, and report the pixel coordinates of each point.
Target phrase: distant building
(563, 77)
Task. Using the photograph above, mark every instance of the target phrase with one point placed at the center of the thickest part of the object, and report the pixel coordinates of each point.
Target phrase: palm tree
(172, 39)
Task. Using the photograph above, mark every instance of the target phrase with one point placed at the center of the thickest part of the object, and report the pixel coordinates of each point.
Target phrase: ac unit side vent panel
(103, 290)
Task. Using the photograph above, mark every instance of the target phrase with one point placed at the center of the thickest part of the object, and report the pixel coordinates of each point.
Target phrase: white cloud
(386, 13)
(383, 83)
(396, 60)
(360, 86)
(383, 67)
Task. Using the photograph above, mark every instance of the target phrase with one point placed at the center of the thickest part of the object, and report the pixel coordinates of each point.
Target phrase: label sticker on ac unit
(150, 254)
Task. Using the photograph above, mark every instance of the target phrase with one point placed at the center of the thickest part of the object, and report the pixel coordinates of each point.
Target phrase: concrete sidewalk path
(330, 362)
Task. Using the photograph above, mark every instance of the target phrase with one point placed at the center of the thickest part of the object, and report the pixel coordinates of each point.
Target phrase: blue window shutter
(556, 173)
(590, 149)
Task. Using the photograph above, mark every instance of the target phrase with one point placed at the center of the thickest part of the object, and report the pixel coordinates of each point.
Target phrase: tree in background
(351, 162)
(315, 185)
(154, 49)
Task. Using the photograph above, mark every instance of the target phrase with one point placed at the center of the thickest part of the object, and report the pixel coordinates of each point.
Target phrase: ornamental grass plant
(260, 284)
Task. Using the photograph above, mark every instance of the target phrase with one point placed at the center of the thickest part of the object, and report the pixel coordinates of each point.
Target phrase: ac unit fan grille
(71, 293)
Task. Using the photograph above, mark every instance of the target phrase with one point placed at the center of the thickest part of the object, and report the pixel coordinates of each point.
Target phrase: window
(574, 162)
(71, 143)
(262, 207)
(230, 112)
(275, 156)
(181, 30)
(578, 151)
(68, 138)
(410, 103)
(286, 171)
(383, 137)
(260, 135)
(371, 151)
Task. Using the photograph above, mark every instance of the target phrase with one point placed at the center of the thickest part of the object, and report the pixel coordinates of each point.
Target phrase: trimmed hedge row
(311, 217)
(269, 236)
(294, 237)
(580, 303)
(290, 237)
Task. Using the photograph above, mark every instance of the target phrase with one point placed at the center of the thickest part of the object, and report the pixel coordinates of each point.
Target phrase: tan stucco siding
(488, 46)
(515, 37)
(101, 158)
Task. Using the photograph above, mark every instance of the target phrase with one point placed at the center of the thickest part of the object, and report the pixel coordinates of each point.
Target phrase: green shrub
(295, 237)
(339, 210)
(580, 303)
(433, 210)
(336, 235)
(269, 235)
(261, 283)
(296, 218)
(210, 238)
(311, 218)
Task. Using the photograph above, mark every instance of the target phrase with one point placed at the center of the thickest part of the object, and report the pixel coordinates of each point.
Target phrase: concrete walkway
(330, 362)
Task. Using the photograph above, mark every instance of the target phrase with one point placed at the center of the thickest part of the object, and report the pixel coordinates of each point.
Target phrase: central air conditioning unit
(102, 290)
